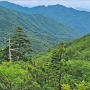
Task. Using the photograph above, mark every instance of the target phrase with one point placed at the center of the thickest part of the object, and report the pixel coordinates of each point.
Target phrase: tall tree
(59, 65)
(19, 45)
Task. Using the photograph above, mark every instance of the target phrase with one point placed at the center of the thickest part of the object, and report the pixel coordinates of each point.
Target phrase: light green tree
(11, 76)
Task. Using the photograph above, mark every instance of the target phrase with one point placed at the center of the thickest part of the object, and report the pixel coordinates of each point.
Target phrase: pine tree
(19, 44)
(19, 41)
(58, 65)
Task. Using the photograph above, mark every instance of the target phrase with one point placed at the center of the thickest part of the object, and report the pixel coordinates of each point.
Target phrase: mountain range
(45, 26)
(76, 19)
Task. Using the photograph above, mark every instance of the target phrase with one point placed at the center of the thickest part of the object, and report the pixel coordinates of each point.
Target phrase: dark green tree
(4, 54)
(20, 45)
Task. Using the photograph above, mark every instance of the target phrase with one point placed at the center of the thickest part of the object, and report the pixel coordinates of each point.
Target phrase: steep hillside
(76, 19)
(78, 49)
(53, 26)
(43, 32)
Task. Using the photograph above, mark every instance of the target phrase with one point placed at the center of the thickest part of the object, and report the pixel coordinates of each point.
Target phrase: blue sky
(67, 3)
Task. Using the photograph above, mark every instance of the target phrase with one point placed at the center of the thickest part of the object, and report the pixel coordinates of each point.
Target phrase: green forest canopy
(40, 73)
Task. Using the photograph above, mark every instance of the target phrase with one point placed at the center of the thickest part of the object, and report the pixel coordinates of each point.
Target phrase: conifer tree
(19, 44)
(19, 41)
(58, 65)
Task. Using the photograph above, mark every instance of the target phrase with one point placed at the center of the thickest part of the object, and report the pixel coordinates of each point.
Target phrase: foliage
(81, 86)
(78, 49)
(59, 65)
(20, 45)
(11, 76)
(4, 54)
(65, 87)
(49, 69)
(18, 41)
(79, 69)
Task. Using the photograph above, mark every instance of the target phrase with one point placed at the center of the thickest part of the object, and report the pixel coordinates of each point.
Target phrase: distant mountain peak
(57, 5)
(40, 6)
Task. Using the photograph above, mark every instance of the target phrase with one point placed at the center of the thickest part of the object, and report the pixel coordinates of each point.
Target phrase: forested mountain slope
(78, 49)
(43, 31)
(76, 19)
(77, 55)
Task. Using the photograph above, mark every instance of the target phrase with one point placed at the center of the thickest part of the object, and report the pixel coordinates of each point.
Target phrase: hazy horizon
(69, 3)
